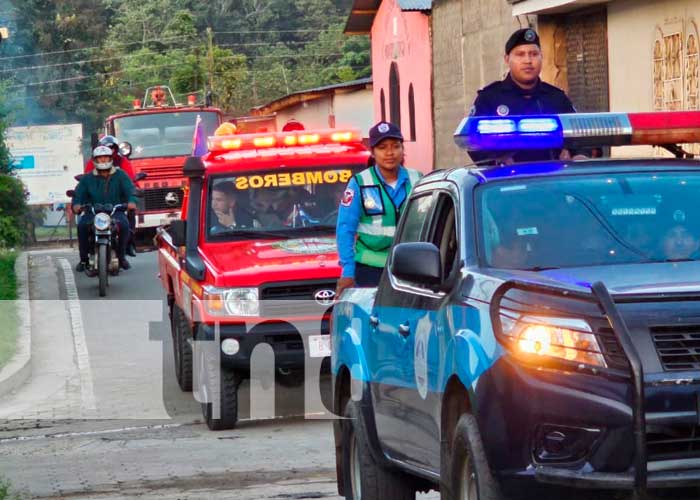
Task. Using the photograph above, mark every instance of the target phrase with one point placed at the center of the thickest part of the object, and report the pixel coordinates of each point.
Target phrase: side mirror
(140, 176)
(178, 232)
(125, 149)
(417, 263)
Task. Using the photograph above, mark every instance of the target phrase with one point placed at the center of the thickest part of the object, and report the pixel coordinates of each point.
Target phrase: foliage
(13, 211)
(5, 159)
(100, 55)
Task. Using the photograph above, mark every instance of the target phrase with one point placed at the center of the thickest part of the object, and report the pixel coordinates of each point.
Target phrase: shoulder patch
(348, 196)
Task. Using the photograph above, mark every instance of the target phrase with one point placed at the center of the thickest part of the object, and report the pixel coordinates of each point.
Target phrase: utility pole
(210, 43)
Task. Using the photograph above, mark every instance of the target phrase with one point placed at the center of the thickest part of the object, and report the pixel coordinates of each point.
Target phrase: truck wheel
(364, 478)
(102, 269)
(470, 475)
(182, 349)
(226, 388)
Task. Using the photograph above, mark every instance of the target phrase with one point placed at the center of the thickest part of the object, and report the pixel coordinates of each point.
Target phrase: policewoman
(522, 92)
(370, 209)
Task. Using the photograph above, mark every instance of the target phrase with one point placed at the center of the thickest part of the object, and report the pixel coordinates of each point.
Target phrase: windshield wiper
(539, 268)
(606, 225)
(253, 233)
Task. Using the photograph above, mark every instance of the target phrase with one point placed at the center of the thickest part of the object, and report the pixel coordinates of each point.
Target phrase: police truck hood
(662, 277)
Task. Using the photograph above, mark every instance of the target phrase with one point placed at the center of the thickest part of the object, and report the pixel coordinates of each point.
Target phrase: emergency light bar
(300, 138)
(510, 133)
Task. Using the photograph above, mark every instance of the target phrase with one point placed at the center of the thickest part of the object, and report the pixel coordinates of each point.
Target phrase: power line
(235, 56)
(126, 44)
(100, 47)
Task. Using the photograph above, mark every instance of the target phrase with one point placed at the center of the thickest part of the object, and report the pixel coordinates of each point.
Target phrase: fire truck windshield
(162, 134)
(284, 203)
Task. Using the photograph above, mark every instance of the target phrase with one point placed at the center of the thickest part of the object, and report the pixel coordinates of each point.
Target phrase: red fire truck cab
(253, 259)
(160, 133)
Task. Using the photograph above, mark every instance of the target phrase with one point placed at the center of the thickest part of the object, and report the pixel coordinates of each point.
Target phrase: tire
(227, 390)
(363, 478)
(470, 476)
(182, 349)
(102, 269)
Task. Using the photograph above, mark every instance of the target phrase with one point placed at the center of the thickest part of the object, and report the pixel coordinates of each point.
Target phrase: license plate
(319, 346)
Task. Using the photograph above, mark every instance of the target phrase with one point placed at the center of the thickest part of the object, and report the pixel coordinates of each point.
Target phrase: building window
(411, 113)
(394, 95)
(658, 76)
(382, 104)
(692, 69)
(673, 73)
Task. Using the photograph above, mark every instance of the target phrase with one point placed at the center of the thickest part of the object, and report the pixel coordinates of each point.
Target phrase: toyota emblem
(324, 297)
(172, 199)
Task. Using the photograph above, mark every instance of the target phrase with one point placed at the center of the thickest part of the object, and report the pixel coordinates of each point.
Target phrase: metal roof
(362, 13)
(308, 95)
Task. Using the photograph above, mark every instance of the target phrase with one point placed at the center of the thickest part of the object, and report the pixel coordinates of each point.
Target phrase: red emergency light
(299, 139)
(578, 130)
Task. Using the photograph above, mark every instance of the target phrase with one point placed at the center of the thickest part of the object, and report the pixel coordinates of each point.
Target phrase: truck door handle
(373, 320)
(405, 329)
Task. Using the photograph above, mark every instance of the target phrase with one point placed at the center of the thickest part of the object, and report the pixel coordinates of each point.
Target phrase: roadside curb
(18, 370)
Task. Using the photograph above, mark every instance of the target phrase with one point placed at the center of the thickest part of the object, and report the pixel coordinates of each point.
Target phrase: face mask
(104, 166)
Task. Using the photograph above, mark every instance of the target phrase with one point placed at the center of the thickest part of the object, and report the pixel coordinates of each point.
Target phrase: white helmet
(102, 151)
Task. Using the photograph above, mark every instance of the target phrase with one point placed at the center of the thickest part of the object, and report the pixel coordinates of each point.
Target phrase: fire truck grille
(163, 199)
(673, 442)
(678, 346)
(310, 298)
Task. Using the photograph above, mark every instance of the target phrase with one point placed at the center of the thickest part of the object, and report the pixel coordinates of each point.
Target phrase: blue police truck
(537, 325)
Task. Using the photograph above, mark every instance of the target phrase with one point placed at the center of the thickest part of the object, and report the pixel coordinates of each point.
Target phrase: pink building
(401, 69)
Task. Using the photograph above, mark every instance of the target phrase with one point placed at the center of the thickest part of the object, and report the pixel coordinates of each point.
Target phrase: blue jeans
(85, 230)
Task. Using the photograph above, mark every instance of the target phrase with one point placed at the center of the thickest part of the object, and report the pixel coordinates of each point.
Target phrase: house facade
(401, 54)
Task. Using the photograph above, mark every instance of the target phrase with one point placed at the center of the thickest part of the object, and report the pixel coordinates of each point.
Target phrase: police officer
(522, 92)
(370, 209)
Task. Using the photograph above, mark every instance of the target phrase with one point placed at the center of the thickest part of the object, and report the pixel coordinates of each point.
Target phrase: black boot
(131, 250)
(124, 264)
(82, 265)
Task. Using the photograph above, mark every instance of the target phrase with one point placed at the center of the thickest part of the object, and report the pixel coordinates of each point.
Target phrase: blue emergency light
(480, 133)
(513, 133)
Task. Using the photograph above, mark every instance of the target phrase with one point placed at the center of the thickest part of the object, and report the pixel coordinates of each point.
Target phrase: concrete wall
(633, 27)
(355, 109)
(404, 38)
(313, 114)
(468, 41)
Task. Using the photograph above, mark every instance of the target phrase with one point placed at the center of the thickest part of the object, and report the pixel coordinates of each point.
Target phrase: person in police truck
(370, 208)
(521, 92)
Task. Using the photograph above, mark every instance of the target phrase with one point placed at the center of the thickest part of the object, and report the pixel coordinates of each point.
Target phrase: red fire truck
(160, 131)
(253, 259)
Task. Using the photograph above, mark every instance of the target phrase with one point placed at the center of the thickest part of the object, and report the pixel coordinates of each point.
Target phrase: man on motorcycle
(125, 164)
(105, 184)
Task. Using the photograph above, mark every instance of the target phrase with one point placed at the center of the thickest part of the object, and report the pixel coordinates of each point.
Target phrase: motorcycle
(103, 257)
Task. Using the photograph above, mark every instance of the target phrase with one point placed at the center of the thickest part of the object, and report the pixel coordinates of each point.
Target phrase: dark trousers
(85, 231)
(131, 215)
(367, 276)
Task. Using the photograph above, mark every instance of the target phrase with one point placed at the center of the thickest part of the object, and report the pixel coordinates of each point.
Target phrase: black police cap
(525, 36)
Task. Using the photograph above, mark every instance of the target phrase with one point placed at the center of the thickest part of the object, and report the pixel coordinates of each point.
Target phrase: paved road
(103, 418)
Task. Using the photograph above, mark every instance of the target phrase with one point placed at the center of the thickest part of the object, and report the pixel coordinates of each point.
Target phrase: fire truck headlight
(232, 301)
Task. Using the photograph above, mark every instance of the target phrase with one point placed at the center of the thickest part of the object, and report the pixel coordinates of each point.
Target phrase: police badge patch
(530, 36)
(383, 128)
(502, 110)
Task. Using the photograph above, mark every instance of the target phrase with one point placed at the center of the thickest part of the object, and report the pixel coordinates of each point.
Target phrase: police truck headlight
(538, 337)
(231, 301)
(102, 222)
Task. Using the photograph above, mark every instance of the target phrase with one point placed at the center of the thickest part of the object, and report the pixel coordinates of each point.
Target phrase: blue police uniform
(505, 97)
(350, 211)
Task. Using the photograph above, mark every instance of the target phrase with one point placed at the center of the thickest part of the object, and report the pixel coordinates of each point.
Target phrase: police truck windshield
(588, 220)
(162, 134)
(282, 203)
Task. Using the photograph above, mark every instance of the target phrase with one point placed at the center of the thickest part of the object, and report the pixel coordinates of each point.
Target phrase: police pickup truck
(537, 324)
